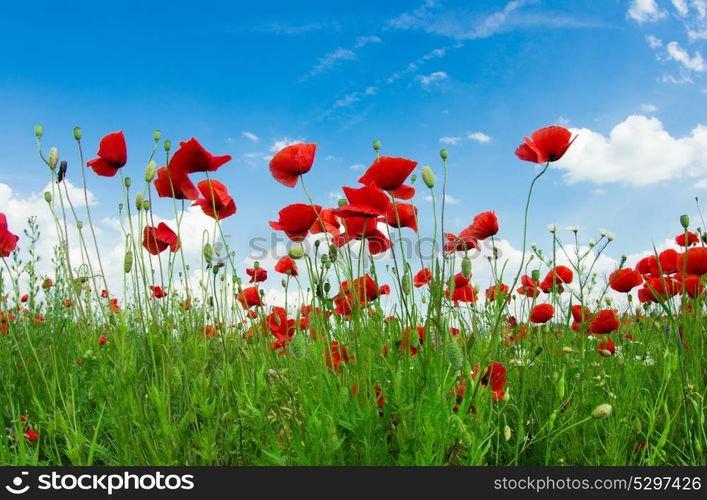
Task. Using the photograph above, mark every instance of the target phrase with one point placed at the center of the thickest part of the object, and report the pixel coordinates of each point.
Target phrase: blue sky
(417, 75)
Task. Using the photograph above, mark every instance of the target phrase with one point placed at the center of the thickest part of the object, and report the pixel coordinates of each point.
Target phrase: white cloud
(426, 81)
(331, 60)
(681, 7)
(362, 41)
(561, 120)
(479, 137)
(450, 140)
(638, 151)
(451, 200)
(677, 53)
(701, 184)
(645, 11)
(250, 135)
(358, 166)
(370, 91)
(347, 100)
(654, 42)
(278, 144)
(649, 108)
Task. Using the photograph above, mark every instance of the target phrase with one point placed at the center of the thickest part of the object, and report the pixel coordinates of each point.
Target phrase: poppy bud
(317, 243)
(128, 261)
(79, 225)
(507, 433)
(127, 182)
(77, 133)
(38, 131)
(341, 202)
(47, 196)
(454, 356)
(139, 199)
(283, 283)
(333, 252)
(535, 275)
(443, 153)
(207, 253)
(428, 176)
(466, 266)
(150, 171)
(413, 178)
(407, 284)
(327, 287)
(53, 158)
(146, 205)
(296, 252)
(377, 145)
(601, 411)
(685, 221)
(552, 228)
(157, 134)
(424, 299)
(167, 145)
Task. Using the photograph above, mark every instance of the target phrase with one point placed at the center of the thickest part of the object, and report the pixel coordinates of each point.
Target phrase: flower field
(377, 356)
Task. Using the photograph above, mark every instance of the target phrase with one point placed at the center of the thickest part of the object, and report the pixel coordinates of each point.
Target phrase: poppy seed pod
(146, 205)
(428, 176)
(77, 133)
(128, 261)
(377, 145)
(466, 266)
(685, 221)
(535, 274)
(139, 200)
(413, 178)
(53, 158)
(47, 196)
(454, 356)
(157, 134)
(507, 433)
(150, 171)
(38, 131)
(443, 153)
(128, 181)
(341, 202)
(601, 411)
(207, 253)
(167, 145)
(79, 225)
(296, 252)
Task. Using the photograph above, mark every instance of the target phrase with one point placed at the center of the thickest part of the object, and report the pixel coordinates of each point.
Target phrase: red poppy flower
(423, 277)
(459, 280)
(174, 184)
(401, 215)
(606, 347)
(360, 228)
(696, 261)
(31, 435)
(605, 321)
(547, 144)
(8, 241)
(282, 328)
(528, 287)
(658, 290)
(158, 292)
(384, 290)
(291, 162)
(580, 313)
(368, 201)
(484, 226)
(47, 283)
(500, 291)
(625, 280)
(249, 297)
(216, 201)
(390, 174)
(257, 275)
(296, 220)
(465, 241)
(157, 239)
(693, 286)
(494, 377)
(191, 157)
(668, 261)
(365, 287)
(542, 313)
(112, 155)
(336, 355)
(465, 293)
(67, 303)
(692, 239)
(114, 307)
(24, 298)
(102, 340)
(286, 265)
(329, 220)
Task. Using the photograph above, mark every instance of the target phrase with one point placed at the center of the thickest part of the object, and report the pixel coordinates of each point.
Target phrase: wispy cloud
(250, 136)
(358, 166)
(692, 63)
(645, 11)
(278, 144)
(334, 58)
(289, 29)
(649, 108)
(362, 41)
(427, 81)
(479, 137)
(447, 198)
(450, 140)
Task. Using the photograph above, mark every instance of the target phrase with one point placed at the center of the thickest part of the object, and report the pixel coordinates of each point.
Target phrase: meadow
(411, 362)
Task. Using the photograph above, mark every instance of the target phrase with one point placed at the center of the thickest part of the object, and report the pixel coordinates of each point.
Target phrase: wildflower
(359, 228)
(158, 292)
(296, 220)
(390, 175)
(257, 275)
(8, 241)
(31, 435)
(484, 225)
(286, 265)
(625, 280)
(326, 222)
(217, 203)
(606, 347)
(465, 241)
(500, 291)
(542, 313)
(191, 157)
(605, 321)
(696, 261)
(423, 277)
(401, 215)
(102, 340)
(687, 239)
(174, 184)
(546, 145)
(112, 155)
(336, 355)
(24, 298)
(156, 239)
(368, 201)
(249, 297)
(291, 162)
(494, 377)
